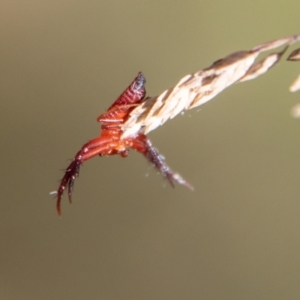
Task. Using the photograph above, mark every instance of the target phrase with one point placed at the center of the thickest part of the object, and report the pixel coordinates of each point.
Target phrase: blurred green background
(128, 234)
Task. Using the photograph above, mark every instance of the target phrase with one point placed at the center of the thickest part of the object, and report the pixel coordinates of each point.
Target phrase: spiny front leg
(142, 144)
(104, 145)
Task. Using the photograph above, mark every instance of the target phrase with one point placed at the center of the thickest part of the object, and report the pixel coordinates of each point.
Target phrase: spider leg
(143, 145)
(104, 145)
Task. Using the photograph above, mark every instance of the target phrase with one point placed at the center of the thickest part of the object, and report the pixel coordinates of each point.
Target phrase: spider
(111, 142)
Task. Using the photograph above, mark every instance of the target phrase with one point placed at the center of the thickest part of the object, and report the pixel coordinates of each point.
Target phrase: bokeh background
(128, 234)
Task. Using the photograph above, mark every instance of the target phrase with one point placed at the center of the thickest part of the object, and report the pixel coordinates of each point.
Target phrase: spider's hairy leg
(104, 145)
(143, 145)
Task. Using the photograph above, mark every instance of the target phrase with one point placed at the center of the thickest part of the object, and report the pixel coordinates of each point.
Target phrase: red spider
(110, 141)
